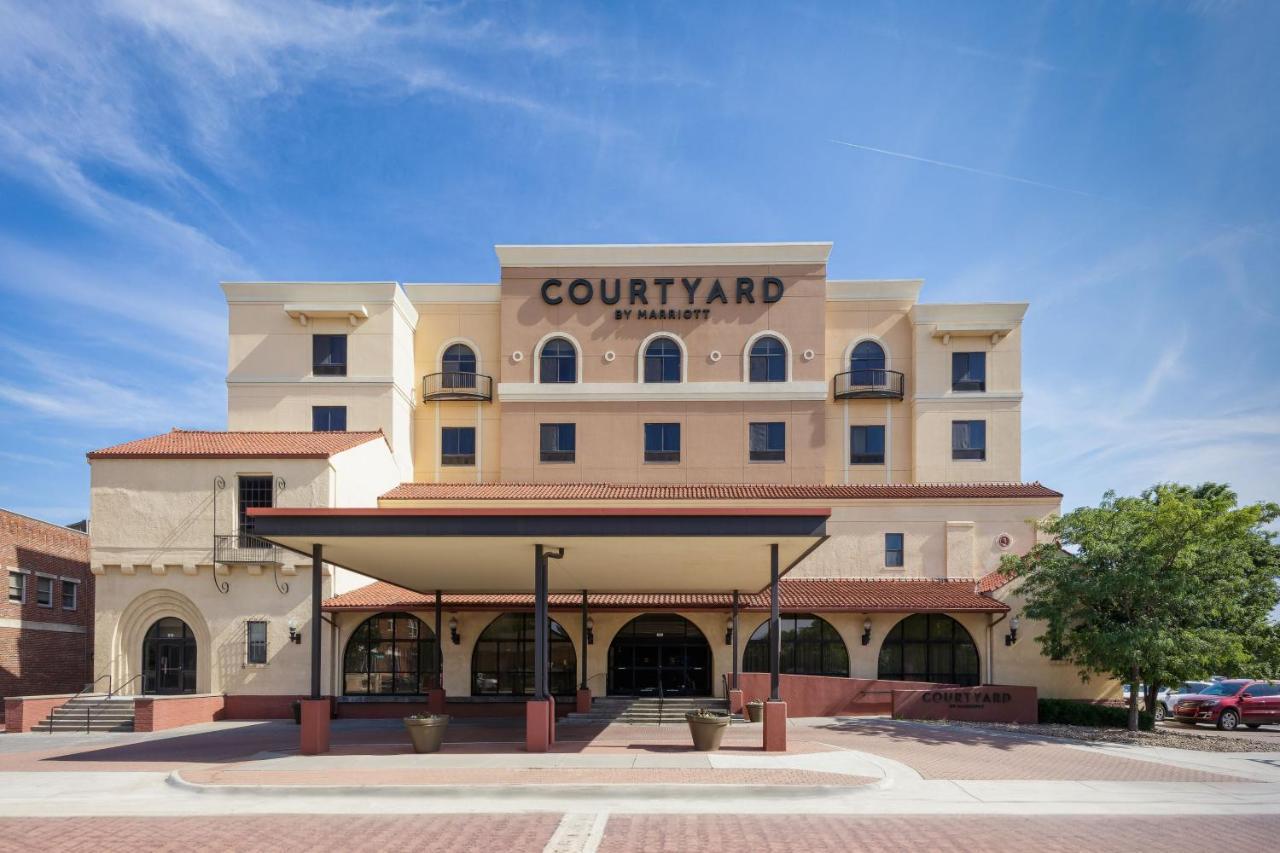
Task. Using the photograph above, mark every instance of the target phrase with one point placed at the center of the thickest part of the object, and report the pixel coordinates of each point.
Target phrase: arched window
(391, 654)
(459, 367)
(768, 360)
(866, 364)
(558, 362)
(929, 647)
(662, 361)
(810, 646)
(502, 663)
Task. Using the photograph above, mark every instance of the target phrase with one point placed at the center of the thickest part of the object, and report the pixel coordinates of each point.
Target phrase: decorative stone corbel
(190, 569)
(255, 569)
(159, 570)
(129, 569)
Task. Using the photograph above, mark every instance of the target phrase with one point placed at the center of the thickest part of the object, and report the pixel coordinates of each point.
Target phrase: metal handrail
(245, 547)
(81, 692)
(88, 711)
(457, 385)
(869, 382)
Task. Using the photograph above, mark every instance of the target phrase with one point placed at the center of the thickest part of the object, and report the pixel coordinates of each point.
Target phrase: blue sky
(1113, 163)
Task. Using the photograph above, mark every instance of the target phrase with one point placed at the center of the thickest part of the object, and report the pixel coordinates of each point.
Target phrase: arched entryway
(169, 658)
(929, 647)
(659, 654)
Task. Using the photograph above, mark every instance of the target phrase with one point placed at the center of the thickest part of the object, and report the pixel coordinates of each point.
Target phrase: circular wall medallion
(609, 356)
(517, 356)
(715, 355)
(1004, 540)
(807, 355)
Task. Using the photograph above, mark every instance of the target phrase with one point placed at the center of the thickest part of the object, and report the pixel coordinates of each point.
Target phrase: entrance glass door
(169, 658)
(659, 655)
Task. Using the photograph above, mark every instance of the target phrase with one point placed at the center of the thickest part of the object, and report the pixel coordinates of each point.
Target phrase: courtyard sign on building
(664, 292)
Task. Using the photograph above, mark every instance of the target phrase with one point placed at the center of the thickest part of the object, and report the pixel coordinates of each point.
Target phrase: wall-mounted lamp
(728, 631)
(453, 630)
(1012, 637)
(866, 631)
(294, 636)
(591, 630)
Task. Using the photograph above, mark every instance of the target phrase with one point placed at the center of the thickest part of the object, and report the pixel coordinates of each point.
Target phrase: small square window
(866, 445)
(329, 418)
(257, 642)
(968, 439)
(457, 445)
(70, 594)
(767, 442)
(968, 371)
(329, 355)
(17, 587)
(662, 442)
(44, 591)
(893, 550)
(557, 442)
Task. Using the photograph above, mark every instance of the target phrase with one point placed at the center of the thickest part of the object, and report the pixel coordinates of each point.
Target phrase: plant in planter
(707, 728)
(427, 731)
(755, 710)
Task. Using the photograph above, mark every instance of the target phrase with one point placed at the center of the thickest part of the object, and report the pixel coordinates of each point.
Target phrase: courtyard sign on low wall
(987, 703)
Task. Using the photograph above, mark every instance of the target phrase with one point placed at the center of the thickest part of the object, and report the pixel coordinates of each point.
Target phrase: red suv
(1227, 704)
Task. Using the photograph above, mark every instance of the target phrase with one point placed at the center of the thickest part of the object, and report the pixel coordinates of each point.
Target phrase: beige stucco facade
(153, 519)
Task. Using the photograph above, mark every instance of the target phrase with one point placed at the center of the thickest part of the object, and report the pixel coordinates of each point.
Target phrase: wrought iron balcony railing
(869, 384)
(245, 548)
(456, 385)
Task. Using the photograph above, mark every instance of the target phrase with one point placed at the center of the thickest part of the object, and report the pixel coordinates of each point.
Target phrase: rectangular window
(893, 550)
(968, 439)
(557, 442)
(329, 355)
(662, 442)
(257, 637)
(70, 594)
(968, 371)
(17, 587)
(457, 445)
(44, 591)
(254, 492)
(866, 445)
(329, 418)
(767, 442)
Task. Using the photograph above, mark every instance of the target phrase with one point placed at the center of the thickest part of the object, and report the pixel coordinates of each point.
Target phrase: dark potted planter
(296, 707)
(755, 710)
(427, 731)
(707, 728)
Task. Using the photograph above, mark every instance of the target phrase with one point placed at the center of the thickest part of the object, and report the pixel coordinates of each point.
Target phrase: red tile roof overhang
(612, 549)
(826, 595)
(213, 444)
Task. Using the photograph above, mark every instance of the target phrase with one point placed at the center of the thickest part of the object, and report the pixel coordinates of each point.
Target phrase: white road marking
(578, 832)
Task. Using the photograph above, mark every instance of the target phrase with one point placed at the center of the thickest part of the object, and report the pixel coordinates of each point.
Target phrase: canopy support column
(775, 710)
(315, 711)
(583, 704)
(540, 711)
(735, 691)
(435, 695)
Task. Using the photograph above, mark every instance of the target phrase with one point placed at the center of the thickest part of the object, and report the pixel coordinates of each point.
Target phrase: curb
(577, 790)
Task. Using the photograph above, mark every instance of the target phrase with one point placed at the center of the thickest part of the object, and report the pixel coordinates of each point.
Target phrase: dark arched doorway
(169, 658)
(929, 647)
(659, 654)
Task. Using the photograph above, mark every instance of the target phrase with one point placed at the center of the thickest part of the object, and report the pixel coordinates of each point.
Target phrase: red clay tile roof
(202, 444)
(709, 491)
(993, 581)
(862, 595)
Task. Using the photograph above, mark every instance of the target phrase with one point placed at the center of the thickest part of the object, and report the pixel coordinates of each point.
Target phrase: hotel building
(675, 417)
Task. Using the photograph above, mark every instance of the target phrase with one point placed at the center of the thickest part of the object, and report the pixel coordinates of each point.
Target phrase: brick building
(46, 621)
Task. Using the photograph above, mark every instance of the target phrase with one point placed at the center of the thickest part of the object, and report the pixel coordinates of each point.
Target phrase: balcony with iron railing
(237, 548)
(869, 384)
(457, 385)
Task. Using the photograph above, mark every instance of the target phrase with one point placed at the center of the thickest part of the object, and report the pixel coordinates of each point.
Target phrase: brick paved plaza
(844, 784)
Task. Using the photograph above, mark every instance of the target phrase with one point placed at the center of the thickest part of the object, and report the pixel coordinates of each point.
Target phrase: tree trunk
(1134, 676)
(1150, 697)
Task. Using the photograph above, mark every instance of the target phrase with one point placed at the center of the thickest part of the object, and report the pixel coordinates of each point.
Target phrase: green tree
(1170, 585)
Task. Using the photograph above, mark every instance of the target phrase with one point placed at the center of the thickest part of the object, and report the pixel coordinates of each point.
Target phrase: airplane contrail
(960, 168)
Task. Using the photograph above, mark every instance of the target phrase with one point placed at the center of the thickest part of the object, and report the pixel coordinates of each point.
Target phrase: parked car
(1227, 704)
(1169, 696)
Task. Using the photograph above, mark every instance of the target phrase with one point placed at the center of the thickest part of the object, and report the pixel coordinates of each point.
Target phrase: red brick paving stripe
(518, 833)
(950, 833)
(428, 777)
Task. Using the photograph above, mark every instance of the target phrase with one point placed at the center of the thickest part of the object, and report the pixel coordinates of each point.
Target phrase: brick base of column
(315, 726)
(583, 705)
(775, 726)
(537, 728)
(435, 700)
(736, 702)
(551, 721)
